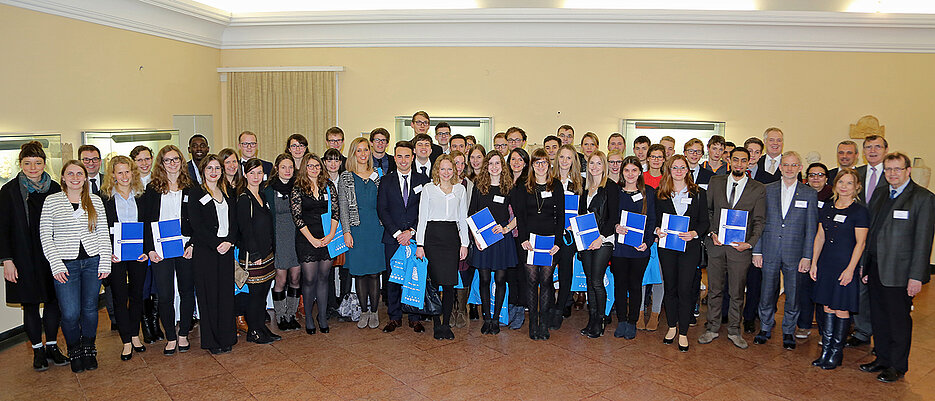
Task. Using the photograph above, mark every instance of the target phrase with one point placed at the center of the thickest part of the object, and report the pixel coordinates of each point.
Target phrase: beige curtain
(275, 105)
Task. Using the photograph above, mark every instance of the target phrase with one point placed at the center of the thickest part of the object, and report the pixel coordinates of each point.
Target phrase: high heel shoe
(323, 328)
(141, 348)
(669, 340)
(127, 357)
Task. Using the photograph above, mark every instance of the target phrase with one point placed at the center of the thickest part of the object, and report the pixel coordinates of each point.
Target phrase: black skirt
(442, 249)
(500, 255)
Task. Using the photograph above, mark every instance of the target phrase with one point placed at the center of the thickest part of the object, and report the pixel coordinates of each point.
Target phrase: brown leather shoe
(392, 326)
(417, 326)
(241, 324)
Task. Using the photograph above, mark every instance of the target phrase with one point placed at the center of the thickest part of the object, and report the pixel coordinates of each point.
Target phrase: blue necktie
(892, 194)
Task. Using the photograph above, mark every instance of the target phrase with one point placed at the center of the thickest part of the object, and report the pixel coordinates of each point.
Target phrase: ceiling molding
(192, 22)
(317, 68)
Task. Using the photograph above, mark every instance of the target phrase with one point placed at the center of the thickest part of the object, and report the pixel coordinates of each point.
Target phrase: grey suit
(863, 330)
(727, 259)
(786, 241)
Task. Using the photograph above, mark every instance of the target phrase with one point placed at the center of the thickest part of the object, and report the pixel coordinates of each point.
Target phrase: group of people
(841, 243)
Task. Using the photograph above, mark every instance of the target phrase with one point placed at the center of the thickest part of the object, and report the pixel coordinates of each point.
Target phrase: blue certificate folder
(636, 226)
(481, 225)
(128, 240)
(733, 226)
(571, 208)
(539, 255)
(167, 238)
(673, 225)
(584, 229)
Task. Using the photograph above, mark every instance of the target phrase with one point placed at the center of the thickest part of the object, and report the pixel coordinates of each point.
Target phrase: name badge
(546, 194)
(281, 195)
(584, 174)
(373, 176)
(184, 198)
(205, 199)
(686, 201)
(78, 212)
(839, 218)
(637, 197)
(417, 189)
(703, 186)
(801, 204)
(821, 204)
(265, 177)
(498, 199)
(569, 192)
(901, 214)
(449, 196)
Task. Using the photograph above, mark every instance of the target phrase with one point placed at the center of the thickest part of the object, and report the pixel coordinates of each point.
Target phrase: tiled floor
(349, 363)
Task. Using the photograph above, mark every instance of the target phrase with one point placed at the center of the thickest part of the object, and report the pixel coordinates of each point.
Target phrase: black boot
(154, 317)
(292, 298)
(534, 325)
(279, 301)
(589, 326)
(556, 321)
(76, 355)
(89, 356)
(543, 330)
(54, 355)
(39, 362)
(274, 336)
(147, 323)
(825, 326)
(838, 335)
(473, 312)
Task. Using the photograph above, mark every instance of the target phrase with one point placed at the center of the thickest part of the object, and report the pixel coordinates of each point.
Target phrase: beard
(737, 174)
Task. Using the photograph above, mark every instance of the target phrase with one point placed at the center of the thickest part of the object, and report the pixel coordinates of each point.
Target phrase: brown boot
(640, 322)
(653, 322)
(461, 319)
(241, 325)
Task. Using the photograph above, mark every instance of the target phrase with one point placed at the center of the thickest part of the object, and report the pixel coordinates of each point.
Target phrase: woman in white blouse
(442, 235)
(73, 232)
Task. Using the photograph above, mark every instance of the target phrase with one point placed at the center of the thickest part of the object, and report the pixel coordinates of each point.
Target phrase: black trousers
(595, 265)
(48, 322)
(566, 254)
(126, 284)
(628, 278)
(166, 273)
(214, 286)
(516, 277)
(394, 292)
(678, 276)
(256, 305)
(751, 306)
(891, 321)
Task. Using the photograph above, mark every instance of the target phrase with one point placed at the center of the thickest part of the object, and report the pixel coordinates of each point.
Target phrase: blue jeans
(77, 298)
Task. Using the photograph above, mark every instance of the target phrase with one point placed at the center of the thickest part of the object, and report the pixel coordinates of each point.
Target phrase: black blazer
(862, 174)
(704, 176)
(699, 220)
(192, 172)
(150, 205)
(256, 225)
(902, 247)
(204, 220)
(390, 209)
(110, 209)
(605, 205)
(19, 241)
(436, 151)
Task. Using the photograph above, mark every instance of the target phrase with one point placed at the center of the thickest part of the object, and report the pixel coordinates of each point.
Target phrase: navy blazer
(704, 176)
(788, 239)
(390, 209)
(764, 176)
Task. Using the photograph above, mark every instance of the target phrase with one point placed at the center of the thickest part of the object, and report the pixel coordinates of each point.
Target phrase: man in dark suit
(248, 145)
(442, 135)
(90, 158)
(756, 170)
(757, 167)
(739, 192)
(198, 148)
(847, 158)
(334, 138)
(785, 247)
(872, 181)
(899, 246)
(693, 151)
(398, 210)
(379, 139)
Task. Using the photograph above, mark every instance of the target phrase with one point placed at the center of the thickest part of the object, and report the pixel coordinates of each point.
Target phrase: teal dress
(366, 257)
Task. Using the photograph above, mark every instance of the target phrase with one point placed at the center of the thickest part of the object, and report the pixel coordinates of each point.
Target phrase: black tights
(368, 288)
(628, 280)
(565, 256)
(484, 284)
(595, 265)
(448, 301)
(315, 287)
(539, 292)
(33, 324)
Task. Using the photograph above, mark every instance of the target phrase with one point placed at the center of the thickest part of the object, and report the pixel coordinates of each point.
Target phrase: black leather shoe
(392, 325)
(184, 348)
(473, 315)
(309, 330)
(127, 357)
(75, 354)
(889, 375)
(270, 334)
(39, 361)
(294, 324)
(259, 337)
(54, 355)
(748, 326)
(761, 337)
(853, 341)
(324, 330)
(872, 367)
(141, 348)
(788, 341)
(417, 326)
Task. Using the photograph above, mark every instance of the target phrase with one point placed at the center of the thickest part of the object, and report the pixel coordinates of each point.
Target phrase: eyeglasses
(172, 160)
(87, 160)
(379, 140)
(421, 123)
(297, 146)
(442, 133)
(499, 145)
(893, 169)
(515, 140)
(335, 140)
(312, 166)
(810, 175)
(790, 164)
(540, 163)
(694, 152)
(248, 144)
(657, 157)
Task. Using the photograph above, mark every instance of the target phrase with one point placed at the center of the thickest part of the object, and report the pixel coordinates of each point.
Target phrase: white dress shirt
(126, 208)
(223, 217)
(418, 167)
(741, 184)
(786, 195)
(435, 205)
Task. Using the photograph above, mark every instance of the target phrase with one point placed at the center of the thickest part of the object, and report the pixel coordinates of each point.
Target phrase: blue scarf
(42, 186)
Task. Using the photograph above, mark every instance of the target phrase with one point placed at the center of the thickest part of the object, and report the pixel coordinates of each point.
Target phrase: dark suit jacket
(697, 213)
(862, 173)
(191, 172)
(151, 204)
(831, 174)
(704, 176)
(436, 151)
(764, 176)
(902, 246)
(791, 238)
(204, 220)
(19, 242)
(752, 199)
(389, 164)
(390, 209)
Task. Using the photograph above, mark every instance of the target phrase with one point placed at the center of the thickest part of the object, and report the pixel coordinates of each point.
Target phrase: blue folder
(636, 226)
(584, 229)
(167, 238)
(539, 255)
(571, 208)
(481, 225)
(733, 227)
(673, 226)
(128, 240)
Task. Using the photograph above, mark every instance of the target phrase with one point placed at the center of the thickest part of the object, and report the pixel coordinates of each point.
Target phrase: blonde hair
(436, 178)
(858, 188)
(108, 186)
(574, 175)
(85, 194)
(590, 181)
(351, 163)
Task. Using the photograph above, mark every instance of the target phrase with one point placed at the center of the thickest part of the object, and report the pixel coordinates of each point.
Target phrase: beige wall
(64, 75)
(812, 96)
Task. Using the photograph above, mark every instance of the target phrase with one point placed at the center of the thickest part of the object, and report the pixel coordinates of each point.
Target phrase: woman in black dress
(255, 241)
(212, 212)
(539, 206)
(839, 244)
(492, 188)
(313, 196)
(518, 161)
(25, 269)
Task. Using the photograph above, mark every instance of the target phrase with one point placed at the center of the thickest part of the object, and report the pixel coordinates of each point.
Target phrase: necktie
(772, 166)
(94, 188)
(873, 183)
(892, 194)
(424, 172)
(380, 162)
(733, 191)
(405, 190)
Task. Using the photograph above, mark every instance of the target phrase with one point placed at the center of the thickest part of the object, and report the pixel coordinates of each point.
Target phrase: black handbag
(432, 305)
